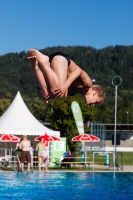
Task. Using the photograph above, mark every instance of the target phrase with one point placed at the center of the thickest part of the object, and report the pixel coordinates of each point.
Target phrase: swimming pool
(65, 185)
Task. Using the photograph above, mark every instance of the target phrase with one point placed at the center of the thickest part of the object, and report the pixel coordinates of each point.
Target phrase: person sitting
(60, 76)
(66, 156)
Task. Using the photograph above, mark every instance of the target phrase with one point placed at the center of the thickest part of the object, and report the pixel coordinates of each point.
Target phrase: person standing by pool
(25, 145)
(40, 148)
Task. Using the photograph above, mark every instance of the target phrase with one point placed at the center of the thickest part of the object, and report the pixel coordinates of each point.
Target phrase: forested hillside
(102, 65)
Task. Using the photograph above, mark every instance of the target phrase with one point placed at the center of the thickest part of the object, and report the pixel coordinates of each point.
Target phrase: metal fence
(98, 130)
(4, 152)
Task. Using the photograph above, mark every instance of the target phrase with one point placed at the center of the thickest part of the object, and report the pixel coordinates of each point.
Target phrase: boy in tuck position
(59, 76)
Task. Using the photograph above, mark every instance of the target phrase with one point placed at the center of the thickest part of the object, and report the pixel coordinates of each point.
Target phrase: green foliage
(60, 114)
(4, 104)
(38, 109)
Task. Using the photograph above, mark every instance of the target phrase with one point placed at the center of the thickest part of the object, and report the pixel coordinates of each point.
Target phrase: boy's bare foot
(39, 56)
(33, 61)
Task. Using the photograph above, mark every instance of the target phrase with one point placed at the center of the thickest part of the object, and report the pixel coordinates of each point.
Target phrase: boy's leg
(40, 77)
(50, 75)
(59, 65)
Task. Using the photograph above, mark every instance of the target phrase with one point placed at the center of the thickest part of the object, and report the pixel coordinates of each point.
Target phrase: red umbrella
(85, 138)
(47, 138)
(9, 138)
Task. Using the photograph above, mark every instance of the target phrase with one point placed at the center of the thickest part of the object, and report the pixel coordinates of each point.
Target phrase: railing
(8, 158)
(4, 152)
(10, 162)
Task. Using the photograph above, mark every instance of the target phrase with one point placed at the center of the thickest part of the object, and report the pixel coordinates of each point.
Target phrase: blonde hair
(101, 93)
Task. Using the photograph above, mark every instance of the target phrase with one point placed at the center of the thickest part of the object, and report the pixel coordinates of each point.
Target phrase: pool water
(66, 185)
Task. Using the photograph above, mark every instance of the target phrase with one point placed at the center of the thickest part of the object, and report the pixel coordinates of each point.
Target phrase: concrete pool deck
(126, 168)
(105, 168)
(97, 168)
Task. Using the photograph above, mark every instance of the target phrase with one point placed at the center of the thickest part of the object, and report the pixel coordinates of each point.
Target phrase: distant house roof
(119, 127)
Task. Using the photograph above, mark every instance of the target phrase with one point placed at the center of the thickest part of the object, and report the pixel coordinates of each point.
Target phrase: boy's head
(95, 95)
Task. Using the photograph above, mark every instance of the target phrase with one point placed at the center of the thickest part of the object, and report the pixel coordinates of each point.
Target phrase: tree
(60, 114)
(4, 104)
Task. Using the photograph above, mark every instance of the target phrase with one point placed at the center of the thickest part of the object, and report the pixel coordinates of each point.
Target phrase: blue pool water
(66, 185)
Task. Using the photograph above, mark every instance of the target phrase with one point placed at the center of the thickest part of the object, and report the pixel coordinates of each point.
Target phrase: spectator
(66, 157)
(67, 153)
(25, 145)
(40, 147)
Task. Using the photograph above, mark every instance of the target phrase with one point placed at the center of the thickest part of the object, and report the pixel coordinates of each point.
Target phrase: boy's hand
(45, 97)
(62, 91)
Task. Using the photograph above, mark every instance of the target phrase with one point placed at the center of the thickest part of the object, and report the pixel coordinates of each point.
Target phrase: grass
(127, 158)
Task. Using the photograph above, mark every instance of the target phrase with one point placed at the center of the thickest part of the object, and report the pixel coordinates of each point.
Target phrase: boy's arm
(83, 76)
(64, 88)
(86, 79)
(87, 82)
(73, 76)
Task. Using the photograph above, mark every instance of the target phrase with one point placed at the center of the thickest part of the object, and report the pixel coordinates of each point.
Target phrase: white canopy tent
(18, 120)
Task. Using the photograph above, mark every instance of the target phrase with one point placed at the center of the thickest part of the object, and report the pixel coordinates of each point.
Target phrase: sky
(26, 24)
